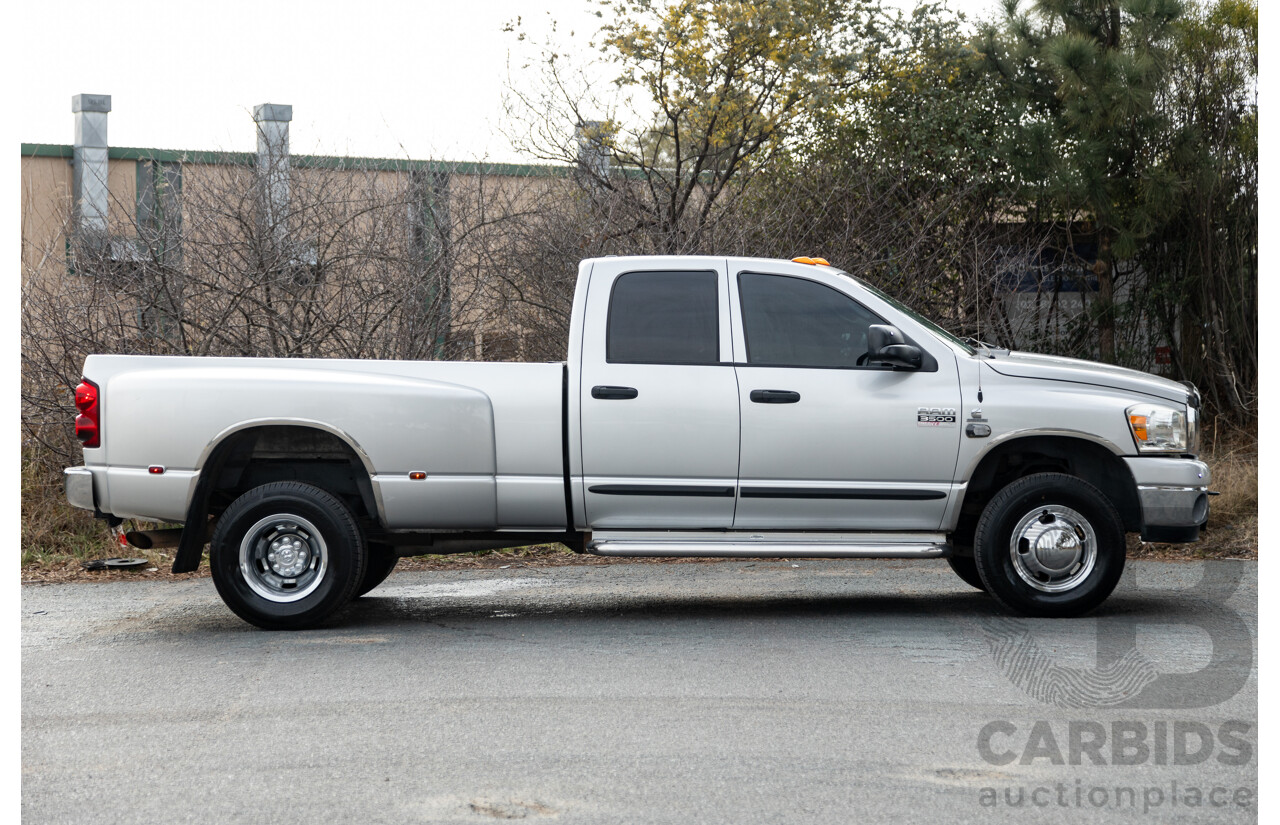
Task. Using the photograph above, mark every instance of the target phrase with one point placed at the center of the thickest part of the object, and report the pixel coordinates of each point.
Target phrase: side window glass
(796, 322)
(663, 318)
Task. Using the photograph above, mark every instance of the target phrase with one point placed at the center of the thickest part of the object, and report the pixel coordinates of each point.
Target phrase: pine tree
(1087, 73)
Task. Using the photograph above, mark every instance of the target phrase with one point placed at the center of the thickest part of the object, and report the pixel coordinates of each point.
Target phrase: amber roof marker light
(812, 261)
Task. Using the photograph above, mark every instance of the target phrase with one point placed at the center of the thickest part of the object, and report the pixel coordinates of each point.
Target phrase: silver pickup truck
(708, 407)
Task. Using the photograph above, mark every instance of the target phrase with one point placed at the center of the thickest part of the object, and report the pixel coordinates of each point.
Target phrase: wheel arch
(260, 451)
(220, 440)
(1084, 458)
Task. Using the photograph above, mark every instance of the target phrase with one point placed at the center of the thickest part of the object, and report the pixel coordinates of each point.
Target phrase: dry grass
(1232, 532)
(53, 532)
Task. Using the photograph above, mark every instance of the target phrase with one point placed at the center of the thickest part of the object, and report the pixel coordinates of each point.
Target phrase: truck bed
(488, 436)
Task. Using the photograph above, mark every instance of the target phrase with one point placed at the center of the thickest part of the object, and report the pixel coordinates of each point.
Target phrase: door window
(801, 323)
(663, 318)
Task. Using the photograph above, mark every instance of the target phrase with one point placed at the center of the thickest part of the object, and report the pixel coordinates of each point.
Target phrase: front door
(828, 443)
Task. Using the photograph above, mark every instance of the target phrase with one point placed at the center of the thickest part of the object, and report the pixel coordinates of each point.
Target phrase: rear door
(659, 398)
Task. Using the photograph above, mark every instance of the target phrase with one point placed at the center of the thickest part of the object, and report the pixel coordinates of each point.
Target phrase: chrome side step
(771, 545)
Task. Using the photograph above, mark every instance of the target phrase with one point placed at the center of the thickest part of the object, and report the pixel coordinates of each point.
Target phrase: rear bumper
(78, 483)
(1174, 494)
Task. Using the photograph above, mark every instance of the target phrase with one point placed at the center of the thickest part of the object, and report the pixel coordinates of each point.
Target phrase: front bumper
(1174, 494)
(78, 483)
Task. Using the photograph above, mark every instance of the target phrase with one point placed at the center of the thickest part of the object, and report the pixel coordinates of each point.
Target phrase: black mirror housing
(880, 336)
(899, 355)
(888, 345)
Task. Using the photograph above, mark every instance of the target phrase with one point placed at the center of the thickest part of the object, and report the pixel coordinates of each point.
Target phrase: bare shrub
(369, 260)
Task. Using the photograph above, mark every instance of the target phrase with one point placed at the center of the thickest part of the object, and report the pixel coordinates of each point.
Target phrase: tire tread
(989, 524)
(311, 495)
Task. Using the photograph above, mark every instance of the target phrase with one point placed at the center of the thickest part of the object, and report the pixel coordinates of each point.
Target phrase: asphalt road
(737, 692)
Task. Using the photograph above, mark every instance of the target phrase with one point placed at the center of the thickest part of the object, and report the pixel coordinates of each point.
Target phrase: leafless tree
(368, 260)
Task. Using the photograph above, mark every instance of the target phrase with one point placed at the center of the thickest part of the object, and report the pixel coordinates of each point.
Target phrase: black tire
(382, 560)
(286, 555)
(1068, 551)
(967, 570)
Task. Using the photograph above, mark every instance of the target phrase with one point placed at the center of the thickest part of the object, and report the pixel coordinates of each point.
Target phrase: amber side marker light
(1139, 425)
(813, 261)
(417, 475)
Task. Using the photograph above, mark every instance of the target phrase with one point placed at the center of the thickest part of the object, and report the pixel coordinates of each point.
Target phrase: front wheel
(1050, 545)
(286, 555)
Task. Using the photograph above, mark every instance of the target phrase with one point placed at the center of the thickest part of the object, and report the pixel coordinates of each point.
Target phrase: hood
(1055, 368)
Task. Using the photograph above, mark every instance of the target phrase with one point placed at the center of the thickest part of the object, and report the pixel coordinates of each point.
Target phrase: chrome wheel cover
(283, 558)
(1053, 548)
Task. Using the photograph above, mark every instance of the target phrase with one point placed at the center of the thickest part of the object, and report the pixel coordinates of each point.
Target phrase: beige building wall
(473, 201)
(46, 206)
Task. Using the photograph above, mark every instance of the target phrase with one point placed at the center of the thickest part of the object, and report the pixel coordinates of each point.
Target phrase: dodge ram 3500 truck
(708, 406)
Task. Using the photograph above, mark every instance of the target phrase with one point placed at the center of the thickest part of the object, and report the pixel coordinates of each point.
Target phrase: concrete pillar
(429, 242)
(89, 162)
(272, 120)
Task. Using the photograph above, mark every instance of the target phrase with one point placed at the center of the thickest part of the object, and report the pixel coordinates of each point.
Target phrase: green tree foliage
(1108, 142)
(926, 110)
(728, 80)
(705, 95)
(1087, 74)
(1202, 260)
(900, 181)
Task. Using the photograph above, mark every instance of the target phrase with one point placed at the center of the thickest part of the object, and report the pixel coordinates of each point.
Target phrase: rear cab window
(669, 317)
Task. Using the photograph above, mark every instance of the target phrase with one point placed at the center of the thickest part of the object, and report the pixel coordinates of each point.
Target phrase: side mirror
(887, 345)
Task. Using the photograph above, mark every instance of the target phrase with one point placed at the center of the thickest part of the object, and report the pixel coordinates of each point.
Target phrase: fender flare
(195, 531)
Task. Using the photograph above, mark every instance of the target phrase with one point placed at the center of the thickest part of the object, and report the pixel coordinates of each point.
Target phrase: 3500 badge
(936, 417)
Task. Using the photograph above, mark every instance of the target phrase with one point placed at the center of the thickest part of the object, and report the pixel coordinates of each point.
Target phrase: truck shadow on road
(405, 603)
(373, 610)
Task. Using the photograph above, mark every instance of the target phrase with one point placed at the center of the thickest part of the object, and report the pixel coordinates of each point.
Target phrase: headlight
(1158, 429)
(1193, 417)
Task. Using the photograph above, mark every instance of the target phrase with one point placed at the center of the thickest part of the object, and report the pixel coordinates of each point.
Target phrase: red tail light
(88, 427)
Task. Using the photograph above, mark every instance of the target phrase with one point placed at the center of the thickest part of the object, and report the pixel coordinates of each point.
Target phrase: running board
(771, 545)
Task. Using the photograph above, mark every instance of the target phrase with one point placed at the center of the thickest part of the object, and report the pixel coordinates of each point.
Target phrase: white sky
(381, 78)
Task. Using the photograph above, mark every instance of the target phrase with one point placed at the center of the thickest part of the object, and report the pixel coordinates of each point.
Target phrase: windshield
(912, 314)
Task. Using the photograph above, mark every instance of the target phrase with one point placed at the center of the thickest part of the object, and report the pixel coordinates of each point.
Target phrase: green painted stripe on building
(54, 150)
(45, 150)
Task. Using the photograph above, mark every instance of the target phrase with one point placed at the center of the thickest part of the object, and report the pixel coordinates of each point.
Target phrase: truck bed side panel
(449, 420)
